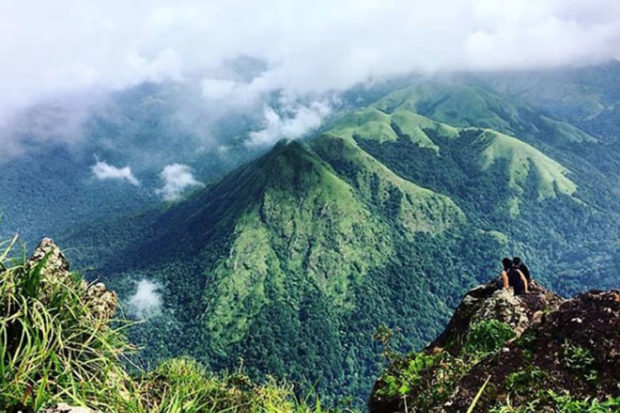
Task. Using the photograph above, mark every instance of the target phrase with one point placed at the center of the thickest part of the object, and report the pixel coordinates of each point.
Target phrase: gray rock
(65, 408)
(55, 273)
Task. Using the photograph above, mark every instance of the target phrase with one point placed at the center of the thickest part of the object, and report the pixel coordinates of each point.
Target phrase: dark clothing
(525, 271)
(515, 281)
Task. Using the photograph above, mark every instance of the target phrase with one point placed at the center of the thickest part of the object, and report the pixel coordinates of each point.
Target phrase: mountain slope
(520, 157)
(461, 104)
(291, 238)
(49, 185)
(380, 127)
(534, 186)
(293, 260)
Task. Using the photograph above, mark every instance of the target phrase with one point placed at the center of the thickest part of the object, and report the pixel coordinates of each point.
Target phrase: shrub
(566, 403)
(548, 400)
(406, 374)
(526, 381)
(579, 360)
(487, 336)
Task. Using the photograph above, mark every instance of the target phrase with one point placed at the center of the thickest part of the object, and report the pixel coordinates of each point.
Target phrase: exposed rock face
(52, 264)
(590, 321)
(486, 302)
(101, 301)
(55, 270)
(564, 345)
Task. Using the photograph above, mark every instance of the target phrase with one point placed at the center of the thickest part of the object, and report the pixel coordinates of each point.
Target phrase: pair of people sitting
(515, 275)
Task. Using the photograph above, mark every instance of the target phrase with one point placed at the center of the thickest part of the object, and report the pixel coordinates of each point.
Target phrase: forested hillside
(292, 261)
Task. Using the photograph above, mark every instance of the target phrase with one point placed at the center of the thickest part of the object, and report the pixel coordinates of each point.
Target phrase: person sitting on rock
(526, 271)
(516, 279)
(507, 265)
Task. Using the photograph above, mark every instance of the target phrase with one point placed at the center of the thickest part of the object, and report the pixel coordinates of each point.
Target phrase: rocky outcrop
(575, 348)
(559, 346)
(487, 302)
(53, 267)
(51, 259)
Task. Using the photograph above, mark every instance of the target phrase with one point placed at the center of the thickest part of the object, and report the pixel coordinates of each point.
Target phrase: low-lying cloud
(177, 178)
(103, 171)
(52, 49)
(296, 121)
(147, 301)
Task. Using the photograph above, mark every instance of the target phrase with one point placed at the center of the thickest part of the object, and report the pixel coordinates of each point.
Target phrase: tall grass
(54, 347)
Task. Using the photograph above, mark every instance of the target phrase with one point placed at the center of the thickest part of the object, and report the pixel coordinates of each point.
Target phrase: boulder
(487, 302)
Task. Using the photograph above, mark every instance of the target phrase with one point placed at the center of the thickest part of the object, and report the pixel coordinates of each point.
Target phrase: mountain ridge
(339, 234)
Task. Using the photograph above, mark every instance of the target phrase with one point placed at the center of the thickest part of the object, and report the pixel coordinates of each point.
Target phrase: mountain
(570, 172)
(292, 261)
(586, 97)
(529, 353)
(287, 238)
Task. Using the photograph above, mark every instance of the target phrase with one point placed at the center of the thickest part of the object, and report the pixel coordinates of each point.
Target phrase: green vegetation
(367, 123)
(376, 124)
(56, 346)
(50, 189)
(386, 218)
(579, 360)
(561, 403)
(182, 385)
(487, 336)
(52, 348)
(520, 157)
(463, 104)
(427, 380)
(522, 382)
(325, 239)
(409, 376)
(566, 403)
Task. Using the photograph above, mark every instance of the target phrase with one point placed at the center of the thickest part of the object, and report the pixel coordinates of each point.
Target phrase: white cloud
(50, 49)
(146, 302)
(104, 171)
(230, 92)
(177, 178)
(298, 120)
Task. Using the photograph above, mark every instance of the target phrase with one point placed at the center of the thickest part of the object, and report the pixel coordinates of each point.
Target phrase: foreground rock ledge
(549, 326)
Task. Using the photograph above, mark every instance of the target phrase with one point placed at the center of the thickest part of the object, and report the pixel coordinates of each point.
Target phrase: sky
(51, 50)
